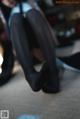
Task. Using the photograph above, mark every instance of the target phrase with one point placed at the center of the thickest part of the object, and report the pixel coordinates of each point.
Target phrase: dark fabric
(19, 39)
(6, 11)
(32, 41)
(42, 34)
(73, 60)
(1, 27)
(44, 37)
(8, 62)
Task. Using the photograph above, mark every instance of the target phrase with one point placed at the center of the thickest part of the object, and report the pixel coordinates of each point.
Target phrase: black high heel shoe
(49, 85)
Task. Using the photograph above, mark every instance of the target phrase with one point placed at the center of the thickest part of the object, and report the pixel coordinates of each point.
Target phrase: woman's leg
(19, 39)
(44, 37)
(36, 52)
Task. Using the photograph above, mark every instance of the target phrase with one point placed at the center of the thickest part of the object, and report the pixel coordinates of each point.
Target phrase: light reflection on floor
(29, 117)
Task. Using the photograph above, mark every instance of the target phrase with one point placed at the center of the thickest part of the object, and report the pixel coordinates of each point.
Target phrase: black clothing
(41, 31)
(6, 11)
